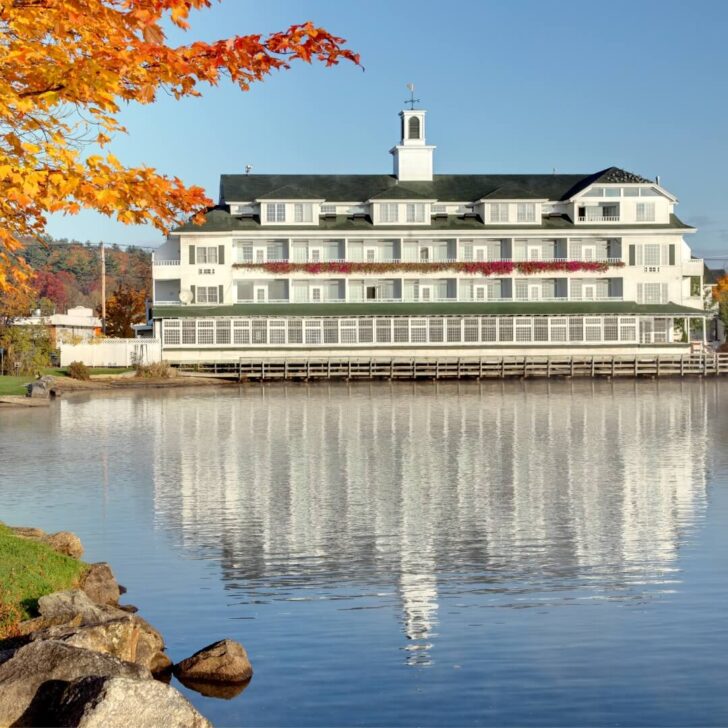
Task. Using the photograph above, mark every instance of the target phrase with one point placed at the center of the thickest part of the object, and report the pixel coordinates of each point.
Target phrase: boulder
(223, 662)
(38, 390)
(101, 627)
(118, 702)
(64, 606)
(66, 543)
(100, 584)
(52, 662)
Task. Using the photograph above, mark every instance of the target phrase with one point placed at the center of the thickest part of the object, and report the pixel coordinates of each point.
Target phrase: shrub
(157, 370)
(78, 370)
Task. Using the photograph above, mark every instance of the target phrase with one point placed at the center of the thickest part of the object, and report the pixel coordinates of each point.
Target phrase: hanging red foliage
(480, 268)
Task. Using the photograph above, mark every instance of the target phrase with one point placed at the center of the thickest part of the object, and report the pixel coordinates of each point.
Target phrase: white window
(651, 255)
(303, 212)
(314, 255)
(480, 293)
(317, 294)
(370, 254)
(260, 255)
(206, 294)
(652, 292)
(389, 212)
(499, 212)
(480, 252)
(261, 294)
(526, 212)
(426, 293)
(534, 292)
(588, 252)
(645, 212)
(275, 212)
(424, 254)
(415, 212)
(207, 254)
(328, 209)
(534, 252)
(244, 253)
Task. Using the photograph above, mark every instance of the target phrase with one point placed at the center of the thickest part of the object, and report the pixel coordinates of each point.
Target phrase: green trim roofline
(555, 308)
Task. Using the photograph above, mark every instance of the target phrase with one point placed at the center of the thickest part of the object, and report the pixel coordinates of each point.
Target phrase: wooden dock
(507, 367)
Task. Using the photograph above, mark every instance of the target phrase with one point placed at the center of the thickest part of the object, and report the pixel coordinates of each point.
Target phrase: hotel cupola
(413, 156)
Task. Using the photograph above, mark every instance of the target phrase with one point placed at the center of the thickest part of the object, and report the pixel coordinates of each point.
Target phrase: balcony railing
(156, 262)
(501, 299)
(598, 218)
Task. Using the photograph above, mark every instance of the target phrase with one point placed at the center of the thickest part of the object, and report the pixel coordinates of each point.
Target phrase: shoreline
(59, 386)
(69, 648)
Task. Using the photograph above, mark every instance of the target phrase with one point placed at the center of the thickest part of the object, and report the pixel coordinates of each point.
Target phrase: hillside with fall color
(67, 273)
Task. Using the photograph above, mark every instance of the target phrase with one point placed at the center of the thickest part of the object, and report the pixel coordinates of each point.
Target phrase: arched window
(414, 127)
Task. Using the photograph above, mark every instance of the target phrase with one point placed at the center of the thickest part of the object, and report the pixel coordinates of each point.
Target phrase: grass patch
(13, 385)
(28, 571)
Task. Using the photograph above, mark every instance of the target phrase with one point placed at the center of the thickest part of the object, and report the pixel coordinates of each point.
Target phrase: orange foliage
(67, 65)
(720, 290)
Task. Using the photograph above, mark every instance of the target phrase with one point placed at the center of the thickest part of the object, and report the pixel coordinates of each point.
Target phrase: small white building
(77, 324)
(422, 263)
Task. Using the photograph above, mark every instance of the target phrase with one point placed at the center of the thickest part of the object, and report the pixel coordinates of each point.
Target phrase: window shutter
(219, 294)
(663, 296)
(671, 260)
(638, 251)
(221, 254)
(639, 293)
(192, 254)
(192, 288)
(632, 255)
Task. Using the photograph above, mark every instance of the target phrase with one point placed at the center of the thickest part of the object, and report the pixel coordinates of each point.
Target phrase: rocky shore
(88, 661)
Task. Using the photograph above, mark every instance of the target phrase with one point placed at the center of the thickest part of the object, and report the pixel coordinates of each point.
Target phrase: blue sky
(518, 86)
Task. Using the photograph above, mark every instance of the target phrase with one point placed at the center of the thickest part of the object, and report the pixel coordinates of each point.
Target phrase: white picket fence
(112, 352)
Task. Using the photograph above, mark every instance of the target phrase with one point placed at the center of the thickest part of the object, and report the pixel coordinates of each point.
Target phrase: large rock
(225, 662)
(102, 628)
(118, 702)
(48, 661)
(38, 390)
(100, 584)
(63, 606)
(66, 543)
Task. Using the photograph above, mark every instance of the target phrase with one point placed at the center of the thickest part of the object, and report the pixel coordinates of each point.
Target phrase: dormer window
(303, 212)
(526, 212)
(389, 212)
(414, 127)
(498, 211)
(275, 212)
(415, 212)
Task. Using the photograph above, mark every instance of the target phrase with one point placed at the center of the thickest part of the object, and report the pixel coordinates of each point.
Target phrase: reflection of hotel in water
(584, 486)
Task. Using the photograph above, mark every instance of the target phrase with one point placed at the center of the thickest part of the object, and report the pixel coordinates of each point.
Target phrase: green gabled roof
(218, 219)
(566, 308)
(443, 187)
(408, 191)
(289, 192)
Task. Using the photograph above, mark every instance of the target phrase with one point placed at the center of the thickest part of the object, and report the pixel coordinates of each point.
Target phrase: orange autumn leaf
(67, 68)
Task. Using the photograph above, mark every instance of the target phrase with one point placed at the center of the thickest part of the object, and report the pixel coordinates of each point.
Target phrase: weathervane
(412, 100)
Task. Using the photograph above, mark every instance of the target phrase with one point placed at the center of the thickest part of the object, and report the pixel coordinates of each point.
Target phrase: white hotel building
(422, 263)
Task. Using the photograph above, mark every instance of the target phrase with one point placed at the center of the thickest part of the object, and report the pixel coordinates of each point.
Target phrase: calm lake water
(540, 553)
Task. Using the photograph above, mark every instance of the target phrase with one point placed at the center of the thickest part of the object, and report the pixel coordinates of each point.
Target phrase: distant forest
(68, 272)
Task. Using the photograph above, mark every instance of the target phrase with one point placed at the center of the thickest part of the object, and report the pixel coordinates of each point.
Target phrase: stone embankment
(88, 661)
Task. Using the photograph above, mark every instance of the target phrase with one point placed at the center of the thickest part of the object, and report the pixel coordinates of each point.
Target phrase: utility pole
(103, 290)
